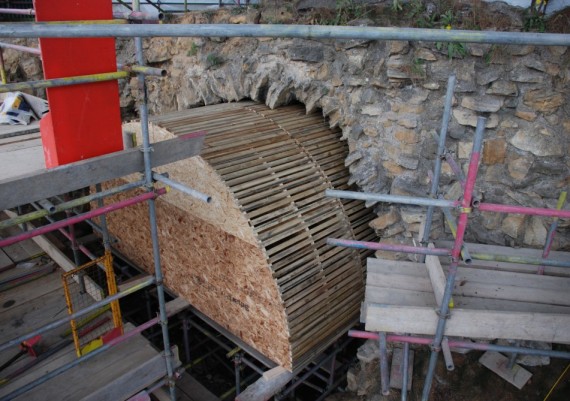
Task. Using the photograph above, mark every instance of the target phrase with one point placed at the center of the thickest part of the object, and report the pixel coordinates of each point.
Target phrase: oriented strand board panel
(255, 260)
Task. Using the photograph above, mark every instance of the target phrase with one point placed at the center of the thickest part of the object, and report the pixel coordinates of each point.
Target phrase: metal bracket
(446, 316)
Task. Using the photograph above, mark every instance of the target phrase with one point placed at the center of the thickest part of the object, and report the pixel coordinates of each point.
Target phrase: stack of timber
(491, 299)
(255, 260)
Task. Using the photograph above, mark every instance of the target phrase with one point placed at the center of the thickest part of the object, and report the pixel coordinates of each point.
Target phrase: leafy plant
(193, 50)
(454, 49)
(213, 60)
(396, 5)
(490, 54)
(418, 70)
(416, 7)
(348, 10)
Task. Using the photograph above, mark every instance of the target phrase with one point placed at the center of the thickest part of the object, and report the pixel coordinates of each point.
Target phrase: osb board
(195, 173)
(222, 276)
(267, 171)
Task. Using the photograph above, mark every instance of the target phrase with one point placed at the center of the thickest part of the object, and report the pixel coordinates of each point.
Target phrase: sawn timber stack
(255, 260)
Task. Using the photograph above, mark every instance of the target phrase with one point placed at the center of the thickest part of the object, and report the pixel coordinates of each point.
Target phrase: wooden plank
(395, 296)
(548, 327)
(517, 376)
(46, 183)
(436, 276)
(193, 389)
(122, 381)
(5, 261)
(267, 386)
(22, 294)
(396, 377)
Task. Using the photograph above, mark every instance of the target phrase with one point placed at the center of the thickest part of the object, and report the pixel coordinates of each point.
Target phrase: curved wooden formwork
(256, 259)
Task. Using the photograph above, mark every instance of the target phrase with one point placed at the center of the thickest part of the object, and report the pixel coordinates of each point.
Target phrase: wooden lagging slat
(311, 302)
(258, 159)
(316, 322)
(232, 123)
(228, 157)
(275, 171)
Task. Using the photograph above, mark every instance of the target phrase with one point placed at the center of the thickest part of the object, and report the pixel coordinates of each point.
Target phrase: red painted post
(84, 120)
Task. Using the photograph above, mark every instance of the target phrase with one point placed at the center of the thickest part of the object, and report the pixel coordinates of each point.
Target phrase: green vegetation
(345, 11)
(193, 50)
(213, 60)
(534, 16)
(418, 70)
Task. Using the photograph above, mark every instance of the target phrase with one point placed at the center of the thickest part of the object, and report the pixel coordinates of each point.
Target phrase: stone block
(544, 100)
(526, 75)
(432, 86)
(488, 75)
(518, 168)
(513, 225)
(494, 151)
(526, 113)
(398, 67)
(491, 220)
(538, 140)
(469, 118)
(393, 168)
(483, 104)
(399, 47)
(425, 54)
(376, 109)
(385, 220)
(520, 50)
(407, 136)
(407, 122)
(504, 88)
(464, 150)
(535, 234)
(413, 215)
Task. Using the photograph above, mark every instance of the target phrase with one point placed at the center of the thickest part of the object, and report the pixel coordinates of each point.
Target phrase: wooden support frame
(46, 183)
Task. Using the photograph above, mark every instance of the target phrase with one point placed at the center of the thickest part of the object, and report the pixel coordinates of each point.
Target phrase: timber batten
(256, 259)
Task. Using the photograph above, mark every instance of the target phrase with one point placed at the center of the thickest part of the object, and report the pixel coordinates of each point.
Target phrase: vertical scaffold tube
(384, 378)
(439, 158)
(143, 110)
(461, 226)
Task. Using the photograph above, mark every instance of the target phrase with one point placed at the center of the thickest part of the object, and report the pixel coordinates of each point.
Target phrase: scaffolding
(467, 204)
(34, 187)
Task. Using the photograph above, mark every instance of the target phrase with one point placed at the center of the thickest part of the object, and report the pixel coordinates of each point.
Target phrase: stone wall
(388, 99)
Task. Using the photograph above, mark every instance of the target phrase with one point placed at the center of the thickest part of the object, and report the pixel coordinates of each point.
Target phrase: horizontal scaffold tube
(380, 246)
(34, 30)
(26, 49)
(76, 219)
(460, 344)
(18, 11)
(68, 205)
(404, 200)
(51, 83)
(534, 211)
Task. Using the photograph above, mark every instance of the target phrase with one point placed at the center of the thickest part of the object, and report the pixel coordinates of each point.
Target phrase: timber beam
(46, 183)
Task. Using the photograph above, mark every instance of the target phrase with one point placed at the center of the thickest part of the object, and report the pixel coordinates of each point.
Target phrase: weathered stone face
(388, 99)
